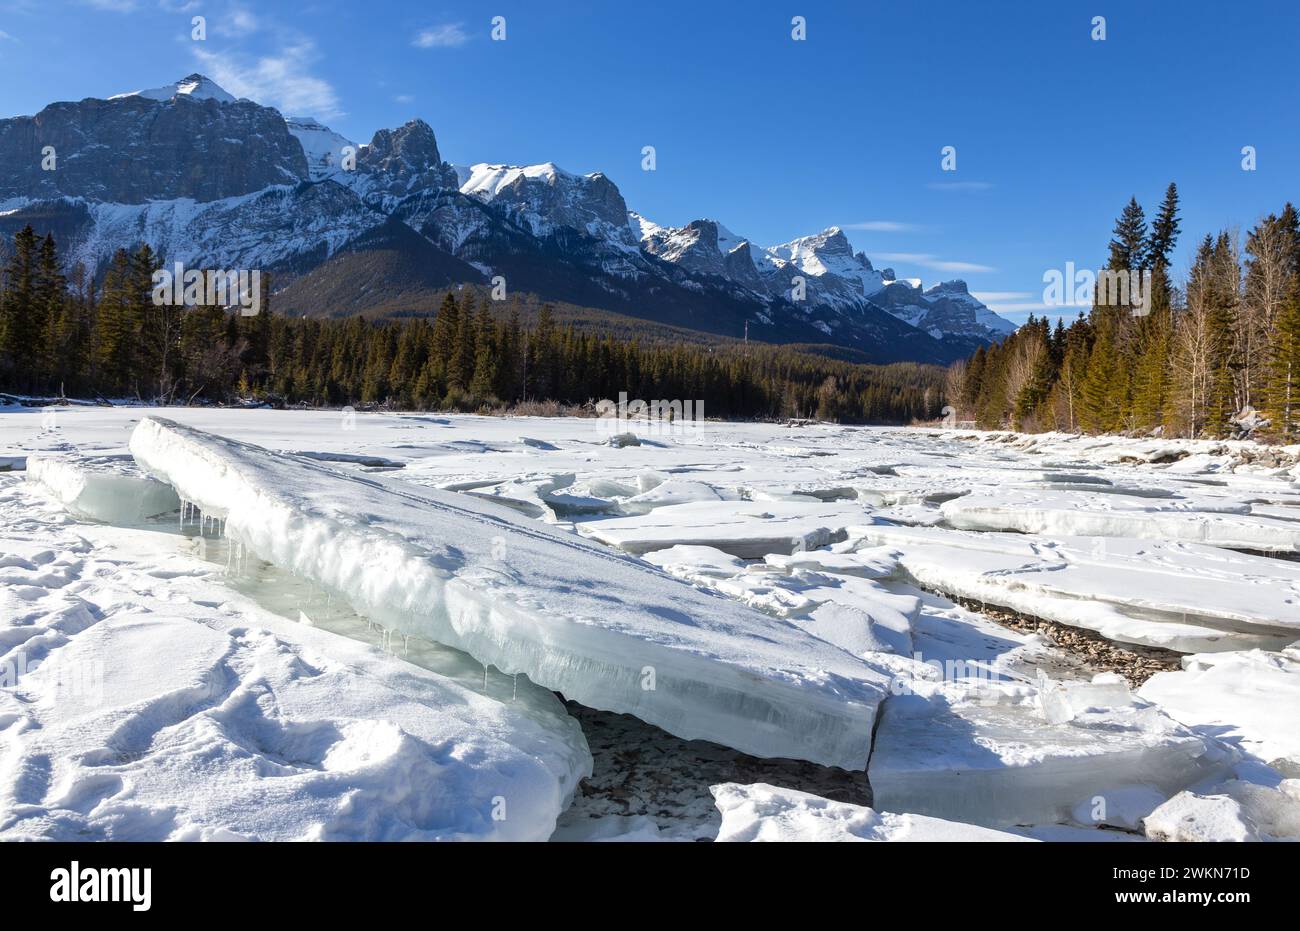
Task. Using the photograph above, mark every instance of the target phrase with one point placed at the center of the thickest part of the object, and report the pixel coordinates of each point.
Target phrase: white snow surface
(1249, 698)
(833, 543)
(762, 812)
(144, 700)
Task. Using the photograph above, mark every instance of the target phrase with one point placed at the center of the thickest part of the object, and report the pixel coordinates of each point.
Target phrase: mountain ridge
(208, 179)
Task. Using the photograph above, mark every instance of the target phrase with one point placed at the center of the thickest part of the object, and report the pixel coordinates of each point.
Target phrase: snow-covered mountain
(209, 179)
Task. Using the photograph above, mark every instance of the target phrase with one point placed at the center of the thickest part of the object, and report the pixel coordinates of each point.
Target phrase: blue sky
(776, 138)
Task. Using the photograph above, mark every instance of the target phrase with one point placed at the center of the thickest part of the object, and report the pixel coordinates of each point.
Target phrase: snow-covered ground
(290, 624)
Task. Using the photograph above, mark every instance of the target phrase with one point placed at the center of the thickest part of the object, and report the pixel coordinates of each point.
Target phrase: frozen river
(376, 626)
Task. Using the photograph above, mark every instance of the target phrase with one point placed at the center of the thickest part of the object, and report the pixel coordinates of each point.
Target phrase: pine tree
(1102, 394)
(113, 337)
(22, 319)
(1164, 231)
(1128, 246)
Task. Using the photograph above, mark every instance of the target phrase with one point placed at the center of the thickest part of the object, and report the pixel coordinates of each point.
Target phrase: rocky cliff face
(134, 149)
(401, 161)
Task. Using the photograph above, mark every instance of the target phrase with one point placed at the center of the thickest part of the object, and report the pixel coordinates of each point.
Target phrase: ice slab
(988, 756)
(761, 812)
(1213, 521)
(747, 529)
(1178, 596)
(604, 629)
(105, 488)
(1249, 698)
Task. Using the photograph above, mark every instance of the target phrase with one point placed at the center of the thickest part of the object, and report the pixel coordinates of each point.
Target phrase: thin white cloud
(926, 260)
(448, 35)
(113, 6)
(6, 37)
(1023, 306)
(404, 98)
(959, 185)
(883, 226)
(282, 80)
(240, 22)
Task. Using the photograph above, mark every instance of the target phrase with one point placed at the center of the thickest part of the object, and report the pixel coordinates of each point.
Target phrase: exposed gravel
(1134, 662)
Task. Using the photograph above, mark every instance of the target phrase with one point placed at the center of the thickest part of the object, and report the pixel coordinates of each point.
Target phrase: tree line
(1215, 356)
(66, 336)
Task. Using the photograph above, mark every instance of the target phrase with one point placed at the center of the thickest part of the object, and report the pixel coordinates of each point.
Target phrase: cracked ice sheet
(761, 812)
(144, 701)
(1179, 596)
(605, 630)
(1221, 521)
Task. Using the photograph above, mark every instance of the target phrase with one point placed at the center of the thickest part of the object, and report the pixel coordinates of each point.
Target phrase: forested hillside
(1215, 355)
(113, 340)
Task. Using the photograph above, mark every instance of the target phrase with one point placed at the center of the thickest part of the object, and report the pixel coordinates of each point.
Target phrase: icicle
(514, 692)
(485, 677)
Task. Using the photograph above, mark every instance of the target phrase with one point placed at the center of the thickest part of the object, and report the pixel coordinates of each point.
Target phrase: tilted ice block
(1064, 701)
(961, 755)
(604, 629)
(106, 488)
(761, 812)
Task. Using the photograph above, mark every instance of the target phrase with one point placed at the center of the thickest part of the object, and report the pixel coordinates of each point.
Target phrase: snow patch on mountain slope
(324, 148)
(198, 86)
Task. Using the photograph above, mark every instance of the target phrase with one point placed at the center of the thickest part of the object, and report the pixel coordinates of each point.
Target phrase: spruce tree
(22, 319)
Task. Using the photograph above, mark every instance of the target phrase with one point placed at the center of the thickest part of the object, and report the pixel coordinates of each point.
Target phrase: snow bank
(605, 630)
(1240, 811)
(1249, 698)
(762, 812)
(107, 488)
(146, 727)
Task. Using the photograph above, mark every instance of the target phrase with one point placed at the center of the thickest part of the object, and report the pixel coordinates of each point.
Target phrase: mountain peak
(197, 86)
(955, 286)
